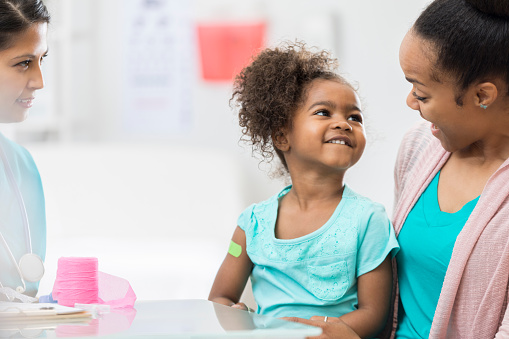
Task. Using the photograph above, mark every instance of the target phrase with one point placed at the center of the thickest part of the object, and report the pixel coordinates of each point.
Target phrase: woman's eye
(418, 97)
(42, 58)
(24, 63)
(356, 118)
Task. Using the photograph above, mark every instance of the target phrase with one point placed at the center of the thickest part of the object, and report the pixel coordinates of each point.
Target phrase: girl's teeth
(337, 142)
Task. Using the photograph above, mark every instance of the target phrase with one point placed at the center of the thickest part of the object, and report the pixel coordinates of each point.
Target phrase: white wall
(160, 216)
(363, 34)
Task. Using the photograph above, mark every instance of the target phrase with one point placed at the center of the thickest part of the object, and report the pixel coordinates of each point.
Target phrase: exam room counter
(164, 319)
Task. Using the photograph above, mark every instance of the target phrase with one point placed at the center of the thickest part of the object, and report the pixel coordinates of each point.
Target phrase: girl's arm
(374, 295)
(232, 276)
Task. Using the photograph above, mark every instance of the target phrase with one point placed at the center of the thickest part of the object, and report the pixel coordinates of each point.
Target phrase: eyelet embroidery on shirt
(338, 240)
(329, 282)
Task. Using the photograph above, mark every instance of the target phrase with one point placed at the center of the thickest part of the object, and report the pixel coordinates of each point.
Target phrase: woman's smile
(25, 103)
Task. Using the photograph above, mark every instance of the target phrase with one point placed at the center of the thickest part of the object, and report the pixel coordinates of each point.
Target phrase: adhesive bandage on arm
(235, 249)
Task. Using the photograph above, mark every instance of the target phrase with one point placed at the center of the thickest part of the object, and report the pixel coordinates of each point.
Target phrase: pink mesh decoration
(115, 291)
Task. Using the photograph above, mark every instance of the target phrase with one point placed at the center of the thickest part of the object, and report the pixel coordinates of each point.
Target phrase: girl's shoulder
(269, 202)
(264, 209)
(357, 199)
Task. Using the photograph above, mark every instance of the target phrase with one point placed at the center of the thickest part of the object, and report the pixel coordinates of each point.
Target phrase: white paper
(158, 44)
(13, 309)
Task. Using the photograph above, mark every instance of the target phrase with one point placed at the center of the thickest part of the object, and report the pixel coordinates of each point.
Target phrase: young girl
(317, 248)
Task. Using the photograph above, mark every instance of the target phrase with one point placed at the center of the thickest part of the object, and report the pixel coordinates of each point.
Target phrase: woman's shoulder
(415, 142)
(418, 149)
(417, 138)
(16, 153)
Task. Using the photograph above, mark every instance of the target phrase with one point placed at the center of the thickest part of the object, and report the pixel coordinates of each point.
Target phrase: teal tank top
(426, 243)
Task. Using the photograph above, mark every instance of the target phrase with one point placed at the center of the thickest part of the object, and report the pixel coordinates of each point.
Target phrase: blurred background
(139, 149)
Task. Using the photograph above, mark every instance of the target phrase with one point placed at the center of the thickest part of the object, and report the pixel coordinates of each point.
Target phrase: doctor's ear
(280, 141)
(486, 94)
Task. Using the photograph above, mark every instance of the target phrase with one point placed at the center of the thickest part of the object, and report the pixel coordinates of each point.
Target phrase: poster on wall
(157, 67)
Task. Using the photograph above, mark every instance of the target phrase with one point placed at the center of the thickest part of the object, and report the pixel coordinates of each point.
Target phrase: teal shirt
(315, 274)
(427, 240)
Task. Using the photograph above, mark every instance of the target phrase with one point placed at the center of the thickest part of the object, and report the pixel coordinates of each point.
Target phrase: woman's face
(457, 127)
(21, 74)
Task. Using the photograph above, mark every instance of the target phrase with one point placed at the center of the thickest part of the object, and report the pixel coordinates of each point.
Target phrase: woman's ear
(281, 141)
(486, 94)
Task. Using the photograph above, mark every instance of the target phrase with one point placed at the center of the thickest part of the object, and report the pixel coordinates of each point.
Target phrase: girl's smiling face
(21, 73)
(457, 127)
(327, 131)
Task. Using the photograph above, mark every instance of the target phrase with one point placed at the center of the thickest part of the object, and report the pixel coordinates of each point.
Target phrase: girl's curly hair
(271, 88)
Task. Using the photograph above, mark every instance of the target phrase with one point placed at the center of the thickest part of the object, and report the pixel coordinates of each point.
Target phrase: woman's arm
(232, 276)
(503, 330)
(374, 295)
(333, 329)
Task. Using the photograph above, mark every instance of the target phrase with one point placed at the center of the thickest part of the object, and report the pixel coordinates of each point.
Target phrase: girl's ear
(486, 93)
(281, 141)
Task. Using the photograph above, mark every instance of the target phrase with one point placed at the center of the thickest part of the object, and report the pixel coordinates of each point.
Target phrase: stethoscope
(30, 266)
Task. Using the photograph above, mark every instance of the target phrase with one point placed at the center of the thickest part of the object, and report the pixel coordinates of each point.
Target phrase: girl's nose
(342, 124)
(412, 102)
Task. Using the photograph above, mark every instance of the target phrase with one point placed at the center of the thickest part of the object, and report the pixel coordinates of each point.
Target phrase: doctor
(23, 28)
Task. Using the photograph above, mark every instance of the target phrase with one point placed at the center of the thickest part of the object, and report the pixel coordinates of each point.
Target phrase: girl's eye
(42, 58)
(418, 97)
(356, 118)
(323, 113)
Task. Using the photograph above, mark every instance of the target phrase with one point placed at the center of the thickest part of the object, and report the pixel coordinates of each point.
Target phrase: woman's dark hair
(16, 16)
(470, 38)
(271, 88)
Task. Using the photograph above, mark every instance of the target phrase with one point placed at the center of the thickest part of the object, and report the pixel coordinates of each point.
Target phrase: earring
(483, 106)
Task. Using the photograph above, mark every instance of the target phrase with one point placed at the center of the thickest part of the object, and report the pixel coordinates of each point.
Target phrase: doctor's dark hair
(271, 88)
(470, 39)
(16, 16)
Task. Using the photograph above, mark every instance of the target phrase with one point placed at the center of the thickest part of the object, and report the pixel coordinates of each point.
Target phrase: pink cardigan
(474, 296)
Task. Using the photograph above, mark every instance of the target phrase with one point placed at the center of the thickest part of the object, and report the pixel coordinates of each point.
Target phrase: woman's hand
(334, 328)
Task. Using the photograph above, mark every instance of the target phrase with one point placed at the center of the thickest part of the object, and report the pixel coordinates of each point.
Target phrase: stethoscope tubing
(14, 261)
(19, 198)
(24, 218)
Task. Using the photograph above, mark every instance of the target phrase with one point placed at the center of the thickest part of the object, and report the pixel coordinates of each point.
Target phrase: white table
(168, 319)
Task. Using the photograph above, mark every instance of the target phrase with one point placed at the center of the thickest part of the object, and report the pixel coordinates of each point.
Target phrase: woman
(451, 175)
(23, 27)
(452, 196)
